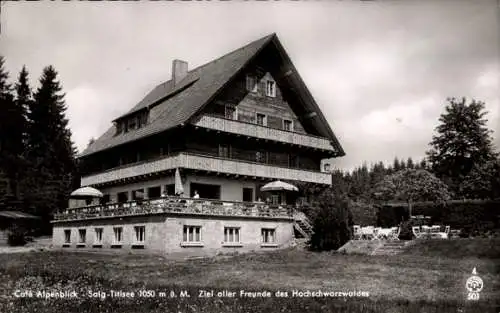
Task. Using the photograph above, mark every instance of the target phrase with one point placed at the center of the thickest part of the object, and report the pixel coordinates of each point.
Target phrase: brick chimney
(179, 70)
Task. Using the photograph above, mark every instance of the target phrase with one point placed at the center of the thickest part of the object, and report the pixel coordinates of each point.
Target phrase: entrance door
(248, 194)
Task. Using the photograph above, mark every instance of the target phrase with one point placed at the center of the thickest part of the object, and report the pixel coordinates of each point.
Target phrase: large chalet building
(219, 133)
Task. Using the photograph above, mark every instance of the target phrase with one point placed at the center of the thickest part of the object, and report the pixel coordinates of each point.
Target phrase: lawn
(430, 277)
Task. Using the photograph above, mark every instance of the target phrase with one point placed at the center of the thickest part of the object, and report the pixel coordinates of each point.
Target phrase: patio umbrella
(279, 186)
(86, 192)
(178, 183)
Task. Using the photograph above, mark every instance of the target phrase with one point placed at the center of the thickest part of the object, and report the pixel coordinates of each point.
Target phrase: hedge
(469, 215)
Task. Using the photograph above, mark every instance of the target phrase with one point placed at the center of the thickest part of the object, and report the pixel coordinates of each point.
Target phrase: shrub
(16, 237)
(332, 222)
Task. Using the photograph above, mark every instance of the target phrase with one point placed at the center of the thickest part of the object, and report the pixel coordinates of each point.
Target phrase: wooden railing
(207, 163)
(177, 205)
(263, 132)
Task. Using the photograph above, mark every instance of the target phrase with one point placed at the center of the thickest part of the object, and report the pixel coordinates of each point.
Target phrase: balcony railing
(207, 163)
(176, 205)
(263, 132)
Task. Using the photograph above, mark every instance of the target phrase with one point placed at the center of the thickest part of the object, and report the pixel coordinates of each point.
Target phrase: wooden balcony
(206, 163)
(179, 206)
(263, 132)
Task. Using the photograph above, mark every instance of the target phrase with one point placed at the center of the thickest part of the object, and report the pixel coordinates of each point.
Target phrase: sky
(381, 71)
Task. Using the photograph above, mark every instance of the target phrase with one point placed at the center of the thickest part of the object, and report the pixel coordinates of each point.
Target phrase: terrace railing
(177, 205)
(208, 163)
(259, 131)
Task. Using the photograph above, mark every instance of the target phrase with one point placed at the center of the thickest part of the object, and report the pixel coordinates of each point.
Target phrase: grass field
(430, 277)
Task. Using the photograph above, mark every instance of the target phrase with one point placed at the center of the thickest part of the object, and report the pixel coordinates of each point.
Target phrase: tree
(409, 163)
(483, 181)
(462, 142)
(12, 131)
(411, 185)
(332, 221)
(50, 149)
(396, 165)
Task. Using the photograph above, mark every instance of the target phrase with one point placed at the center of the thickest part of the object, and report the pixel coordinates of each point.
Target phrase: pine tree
(396, 165)
(50, 149)
(12, 131)
(462, 142)
(409, 163)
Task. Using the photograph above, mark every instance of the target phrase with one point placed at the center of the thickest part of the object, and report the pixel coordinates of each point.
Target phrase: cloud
(380, 71)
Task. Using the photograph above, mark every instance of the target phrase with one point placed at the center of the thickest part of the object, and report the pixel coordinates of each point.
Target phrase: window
(191, 234)
(140, 234)
(118, 231)
(82, 235)
(251, 83)
(132, 123)
(270, 88)
(231, 234)
(223, 151)
(98, 236)
(105, 199)
(293, 160)
(268, 235)
(275, 199)
(138, 194)
(261, 119)
(119, 127)
(170, 189)
(67, 236)
(260, 156)
(287, 125)
(122, 197)
(247, 194)
(230, 112)
(154, 192)
(326, 167)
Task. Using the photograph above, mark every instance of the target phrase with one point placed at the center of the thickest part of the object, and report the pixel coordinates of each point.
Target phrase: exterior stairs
(302, 225)
(391, 248)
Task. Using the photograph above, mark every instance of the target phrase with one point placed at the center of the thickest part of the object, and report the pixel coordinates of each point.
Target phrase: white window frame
(291, 124)
(98, 231)
(270, 92)
(137, 233)
(264, 120)
(80, 237)
(230, 233)
(67, 236)
(115, 232)
(191, 229)
(252, 79)
(266, 233)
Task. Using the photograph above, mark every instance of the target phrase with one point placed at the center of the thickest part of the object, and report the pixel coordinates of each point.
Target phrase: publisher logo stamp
(474, 285)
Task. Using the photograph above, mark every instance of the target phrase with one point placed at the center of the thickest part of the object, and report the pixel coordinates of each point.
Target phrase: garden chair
(395, 233)
(367, 232)
(435, 229)
(357, 232)
(416, 231)
(447, 229)
(426, 229)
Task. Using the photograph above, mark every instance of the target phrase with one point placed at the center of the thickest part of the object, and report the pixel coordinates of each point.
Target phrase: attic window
(251, 83)
(270, 88)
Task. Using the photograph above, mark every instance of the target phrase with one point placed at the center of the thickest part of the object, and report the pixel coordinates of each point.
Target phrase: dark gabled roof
(171, 106)
(176, 110)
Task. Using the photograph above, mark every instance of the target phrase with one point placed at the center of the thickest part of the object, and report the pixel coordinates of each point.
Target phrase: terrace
(177, 205)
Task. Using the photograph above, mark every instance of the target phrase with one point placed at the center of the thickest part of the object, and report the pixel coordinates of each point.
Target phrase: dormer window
(251, 83)
(270, 88)
(132, 122)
